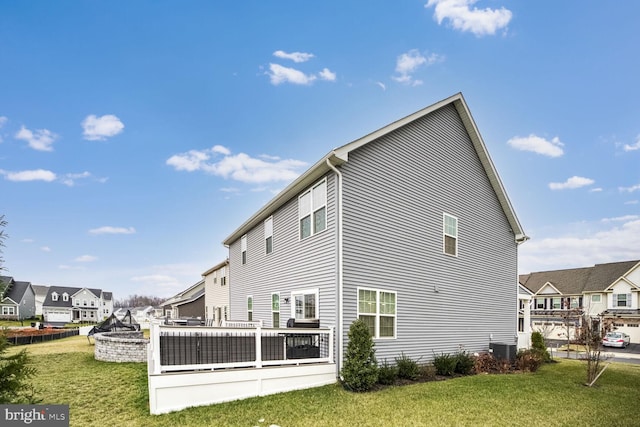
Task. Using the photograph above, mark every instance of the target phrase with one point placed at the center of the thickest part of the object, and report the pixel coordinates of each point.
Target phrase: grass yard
(101, 393)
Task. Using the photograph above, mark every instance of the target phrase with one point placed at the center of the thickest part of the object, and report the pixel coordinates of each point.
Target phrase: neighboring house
(17, 299)
(186, 304)
(41, 294)
(606, 292)
(65, 304)
(408, 228)
(216, 293)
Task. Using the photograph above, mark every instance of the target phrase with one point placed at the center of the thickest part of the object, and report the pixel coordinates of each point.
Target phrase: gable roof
(575, 281)
(40, 290)
(606, 274)
(18, 290)
(340, 155)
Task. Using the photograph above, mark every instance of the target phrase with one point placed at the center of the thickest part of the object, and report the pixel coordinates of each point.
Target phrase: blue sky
(136, 136)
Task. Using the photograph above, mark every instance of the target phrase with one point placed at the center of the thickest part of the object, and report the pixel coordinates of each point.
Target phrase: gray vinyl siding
(395, 192)
(293, 265)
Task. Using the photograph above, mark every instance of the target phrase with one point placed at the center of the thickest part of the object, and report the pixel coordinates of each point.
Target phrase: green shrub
(445, 364)
(387, 373)
(15, 373)
(538, 344)
(529, 360)
(407, 368)
(360, 371)
(464, 363)
(427, 372)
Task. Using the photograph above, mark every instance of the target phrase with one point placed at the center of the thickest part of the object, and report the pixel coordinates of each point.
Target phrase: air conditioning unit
(503, 351)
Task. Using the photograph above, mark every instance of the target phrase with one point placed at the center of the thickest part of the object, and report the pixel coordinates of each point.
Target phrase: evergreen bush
(15, 371)
(360, 370)
(407, 368)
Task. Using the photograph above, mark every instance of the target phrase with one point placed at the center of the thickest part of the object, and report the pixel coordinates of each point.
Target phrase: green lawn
(101, 393)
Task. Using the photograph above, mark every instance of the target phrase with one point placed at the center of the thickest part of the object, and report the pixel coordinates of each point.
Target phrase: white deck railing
(179, 348)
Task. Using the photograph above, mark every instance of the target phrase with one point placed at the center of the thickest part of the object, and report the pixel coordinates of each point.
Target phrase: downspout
(339, 284)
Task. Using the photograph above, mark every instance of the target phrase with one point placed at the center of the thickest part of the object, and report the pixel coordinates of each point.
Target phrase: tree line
(138, 301)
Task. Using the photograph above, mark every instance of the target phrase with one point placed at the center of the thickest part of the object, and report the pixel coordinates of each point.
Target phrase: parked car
(616, 339)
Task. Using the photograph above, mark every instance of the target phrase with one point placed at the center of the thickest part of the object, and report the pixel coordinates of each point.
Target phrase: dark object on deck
(303, 323)
(113, 324)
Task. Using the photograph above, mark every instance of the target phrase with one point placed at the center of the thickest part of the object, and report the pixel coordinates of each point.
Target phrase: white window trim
(445, 234)
(250, 318)
(243, 249)
(302, 215)
(275, 311)
(315, 292)
(596, 295)
(54, 296)
(377, 313)
(268, 233)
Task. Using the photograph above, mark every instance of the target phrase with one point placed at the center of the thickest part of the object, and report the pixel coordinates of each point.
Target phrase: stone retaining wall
(124, 346)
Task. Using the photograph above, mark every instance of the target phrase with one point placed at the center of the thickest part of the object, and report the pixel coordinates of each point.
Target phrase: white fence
(192, 366)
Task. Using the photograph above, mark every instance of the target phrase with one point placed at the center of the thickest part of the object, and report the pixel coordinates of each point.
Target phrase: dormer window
(65, 297)
(54, 297)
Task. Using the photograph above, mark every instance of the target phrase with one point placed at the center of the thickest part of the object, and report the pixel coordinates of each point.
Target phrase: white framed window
(305, 304)
(275, 310)
(65, 297)
(540, 303)
(312, 210)
(243, 248)
(378, 310)
(556, 303)
(223, 276)
(250, 308)
(268, 235)
(54, 296)
(450, 234)
(8, 310)
(595, 298)
(622, 300)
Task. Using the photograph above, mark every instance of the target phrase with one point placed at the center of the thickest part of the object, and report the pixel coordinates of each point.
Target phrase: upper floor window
(54, 297)
(378, 310)
(556, 303)
(65, 297)
(622, 300)
(595, 298)
(268, 235)
(243, 248)
(312, 210)
(305, 305)
(450, 232)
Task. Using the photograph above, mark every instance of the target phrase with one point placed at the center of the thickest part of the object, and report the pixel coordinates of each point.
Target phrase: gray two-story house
(408, 228)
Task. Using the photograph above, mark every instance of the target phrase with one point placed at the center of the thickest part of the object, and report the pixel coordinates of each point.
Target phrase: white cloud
(408, 63)
(464, 18)
(294, 56)
(29, 175)
(621, 218)
(71, 178)
(86, 258)
(45, 249)
(629, 189)
(327, 75)
(100, 128)
(582, 249)
(279, 74)
(112, 230)
(238, 167)
(632, 147)
(632, 202)
(40, 140)
(382, 86)
(538, 145)
(571, 183)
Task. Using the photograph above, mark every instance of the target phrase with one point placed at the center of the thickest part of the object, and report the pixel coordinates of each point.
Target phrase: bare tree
(591, 334)
(571, 321)
(3, 235)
